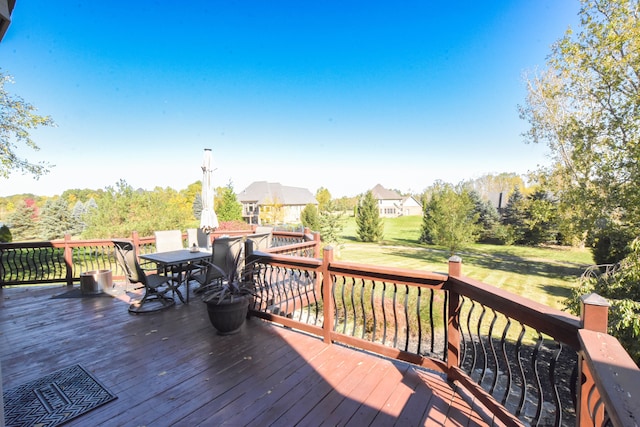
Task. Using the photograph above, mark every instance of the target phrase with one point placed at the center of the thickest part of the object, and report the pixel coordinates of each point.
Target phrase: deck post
(136, 241)
(68, 259)
(316, 248)
(453, 322)
(327, 306)
(594, 315)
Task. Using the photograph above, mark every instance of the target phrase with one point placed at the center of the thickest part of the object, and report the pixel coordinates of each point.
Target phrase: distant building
(261, 196)
(391, 204)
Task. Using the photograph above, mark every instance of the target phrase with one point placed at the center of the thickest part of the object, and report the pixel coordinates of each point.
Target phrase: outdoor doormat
(55, 398)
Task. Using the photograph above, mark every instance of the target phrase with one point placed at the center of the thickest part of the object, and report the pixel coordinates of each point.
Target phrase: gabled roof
(265, 193)
(381, 193)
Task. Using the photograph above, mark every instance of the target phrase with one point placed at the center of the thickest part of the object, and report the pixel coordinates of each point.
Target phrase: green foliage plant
(310, 217)
(610, 243)
(5, 234)
(620, 285)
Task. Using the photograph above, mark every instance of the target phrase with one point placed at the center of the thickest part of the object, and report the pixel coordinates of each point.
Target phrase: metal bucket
(94, 282)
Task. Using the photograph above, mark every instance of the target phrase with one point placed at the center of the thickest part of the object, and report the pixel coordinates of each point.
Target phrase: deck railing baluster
(384, 312)
(536, 377)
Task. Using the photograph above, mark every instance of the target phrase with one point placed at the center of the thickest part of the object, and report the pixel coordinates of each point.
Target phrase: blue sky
(342, 95)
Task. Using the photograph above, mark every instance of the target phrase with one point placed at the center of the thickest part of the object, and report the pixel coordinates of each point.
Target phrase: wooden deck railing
(63, 261)
(527, 363)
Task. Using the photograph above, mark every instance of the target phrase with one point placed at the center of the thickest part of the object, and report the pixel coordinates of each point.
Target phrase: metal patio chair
(197, 237)
(168, 240)
(155, 285)
(224, 248)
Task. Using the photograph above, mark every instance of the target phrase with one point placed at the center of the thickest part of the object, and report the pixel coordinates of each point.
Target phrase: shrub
(5, 234)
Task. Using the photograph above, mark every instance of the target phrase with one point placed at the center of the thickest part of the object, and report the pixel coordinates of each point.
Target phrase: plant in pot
(228, 296)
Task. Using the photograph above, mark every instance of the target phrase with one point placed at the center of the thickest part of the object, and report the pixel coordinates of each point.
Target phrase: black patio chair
(224, 249)
(155, 286)
(260, 241)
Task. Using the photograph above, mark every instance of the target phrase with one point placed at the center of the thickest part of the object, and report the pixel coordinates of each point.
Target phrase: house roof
(381, 193)
(264, 193)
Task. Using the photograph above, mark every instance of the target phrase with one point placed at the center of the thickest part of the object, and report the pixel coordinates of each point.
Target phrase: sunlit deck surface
(171, 368)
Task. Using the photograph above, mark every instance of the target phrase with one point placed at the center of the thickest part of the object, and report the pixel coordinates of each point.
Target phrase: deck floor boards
(171, 368)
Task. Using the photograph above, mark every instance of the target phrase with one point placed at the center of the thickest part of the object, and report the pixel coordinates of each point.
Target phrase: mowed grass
(544, 274)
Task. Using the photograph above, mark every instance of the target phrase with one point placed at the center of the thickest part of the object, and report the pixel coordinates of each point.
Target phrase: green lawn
(542, 274)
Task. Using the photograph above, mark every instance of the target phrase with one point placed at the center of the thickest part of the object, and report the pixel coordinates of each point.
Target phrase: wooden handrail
(16, 259)
(562, 327)
(609, 382)
(615, 379)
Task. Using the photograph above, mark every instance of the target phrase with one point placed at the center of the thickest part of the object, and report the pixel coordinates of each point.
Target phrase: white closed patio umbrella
(208, 217)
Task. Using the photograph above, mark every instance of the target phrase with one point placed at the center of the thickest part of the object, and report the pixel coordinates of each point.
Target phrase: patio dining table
(179, 261)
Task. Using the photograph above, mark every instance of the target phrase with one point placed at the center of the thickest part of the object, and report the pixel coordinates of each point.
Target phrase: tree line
(116, 211)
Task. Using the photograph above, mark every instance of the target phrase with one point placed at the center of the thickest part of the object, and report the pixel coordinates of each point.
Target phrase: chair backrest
(126, 257)
(199, 237)
(226, 249)
(263, 229)
(168, 240)
(261, 241)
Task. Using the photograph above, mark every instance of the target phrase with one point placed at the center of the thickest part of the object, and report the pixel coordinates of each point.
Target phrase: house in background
(391, 204)
(263, 197)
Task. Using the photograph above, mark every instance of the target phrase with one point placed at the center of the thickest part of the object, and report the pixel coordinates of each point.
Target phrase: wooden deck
(171, 368)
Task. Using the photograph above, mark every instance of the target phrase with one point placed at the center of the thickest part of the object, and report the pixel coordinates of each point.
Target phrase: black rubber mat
(55, 398)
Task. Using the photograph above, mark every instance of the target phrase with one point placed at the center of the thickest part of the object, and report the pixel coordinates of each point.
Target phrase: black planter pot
(228, 317)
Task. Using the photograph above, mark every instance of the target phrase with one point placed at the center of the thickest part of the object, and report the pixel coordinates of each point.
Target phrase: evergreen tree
(330, 226)
(5, 234)
(23, 221)
(310, 217)
(515, 215)
(488, 217)
(197, 206)
(369, 224)
(229, 208)
(55, 219)
(77, 218)
(541, 219)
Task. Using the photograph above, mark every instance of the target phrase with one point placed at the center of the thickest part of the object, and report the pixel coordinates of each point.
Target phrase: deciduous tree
(449, 219)
(17, 119)
(586, 107)
(323, 196)
(310, 217)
